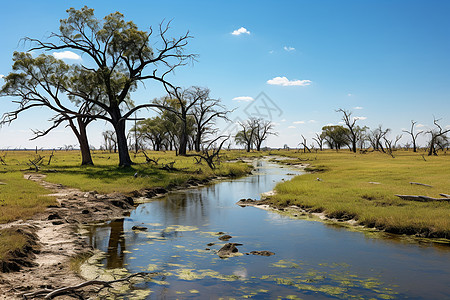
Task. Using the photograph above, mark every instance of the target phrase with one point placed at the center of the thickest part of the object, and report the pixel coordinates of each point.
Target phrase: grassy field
(21, 198)
(363, 187)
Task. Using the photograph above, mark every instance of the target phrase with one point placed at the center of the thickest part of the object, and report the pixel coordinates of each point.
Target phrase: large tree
(42, 82)
(116, 56)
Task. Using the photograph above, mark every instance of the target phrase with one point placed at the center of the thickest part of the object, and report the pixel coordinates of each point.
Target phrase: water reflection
(116, 245)
(311, 260)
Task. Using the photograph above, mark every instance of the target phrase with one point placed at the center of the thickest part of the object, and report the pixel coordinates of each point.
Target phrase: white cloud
(243, 98)
(271, 52)
(284, 120)
(240, 31)
(360, 118)
(312, 121)
(291, 127)
(349, 94)
(298, 122)
(358, 107)
(420, 125)
(66, 55)
(288, 49)
(448, 126)
(283, 81)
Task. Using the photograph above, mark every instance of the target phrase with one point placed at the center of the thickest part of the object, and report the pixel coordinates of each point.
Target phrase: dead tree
(305, 146)
(319, 140)
(438, 139)
(413, 135)
(210, 154)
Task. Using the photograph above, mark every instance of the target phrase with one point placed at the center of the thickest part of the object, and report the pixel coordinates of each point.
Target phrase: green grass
(10, 240)
(345, 191)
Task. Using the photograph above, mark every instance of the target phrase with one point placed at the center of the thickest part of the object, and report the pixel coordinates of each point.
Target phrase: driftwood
(445, 195)
(49, 294)
(417, 183)
(421, 198)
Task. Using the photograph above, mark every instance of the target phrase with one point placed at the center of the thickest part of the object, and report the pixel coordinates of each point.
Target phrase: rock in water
(140, 228)
(262, 253)
(225, 237)
(228, 250)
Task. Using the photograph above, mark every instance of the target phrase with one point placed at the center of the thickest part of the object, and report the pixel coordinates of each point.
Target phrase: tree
(413, 135)
(206, 112)
(110, 141)
(353, 130)
(335, 136)
(120, 56)
(262, 131)
(438, 138)
(376, 136)
(154, 131)
(246, 136)
(42, 82)
(319, 140)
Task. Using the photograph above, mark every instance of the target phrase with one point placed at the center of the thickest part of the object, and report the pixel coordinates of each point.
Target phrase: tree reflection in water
(116, 245)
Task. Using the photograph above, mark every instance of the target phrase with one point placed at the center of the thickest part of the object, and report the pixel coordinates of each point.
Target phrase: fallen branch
(445, 195)
(421, 198)
(53, 293)
(417, 183)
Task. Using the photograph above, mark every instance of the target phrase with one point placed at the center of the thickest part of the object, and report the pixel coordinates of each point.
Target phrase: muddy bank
(343, 219)
(53, 239)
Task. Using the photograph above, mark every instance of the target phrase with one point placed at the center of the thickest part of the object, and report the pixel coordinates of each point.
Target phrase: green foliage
(363, 187)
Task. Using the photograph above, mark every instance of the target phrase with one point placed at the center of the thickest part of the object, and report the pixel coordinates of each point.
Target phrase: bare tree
(376, 137)
(438, 139)
(320, 138)
(262, 132)
(246, 136)
(351, 125)
(305, 146)
(413, 135)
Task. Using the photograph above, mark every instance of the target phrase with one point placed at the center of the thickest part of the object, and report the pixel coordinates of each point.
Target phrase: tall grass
(363, 187)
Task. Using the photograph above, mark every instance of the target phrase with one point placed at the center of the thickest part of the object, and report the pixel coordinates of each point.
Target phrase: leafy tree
(117, 55)
(335, 136)
(43, 82)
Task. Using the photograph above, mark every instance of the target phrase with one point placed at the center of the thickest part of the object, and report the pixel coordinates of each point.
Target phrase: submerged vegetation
(362, 187)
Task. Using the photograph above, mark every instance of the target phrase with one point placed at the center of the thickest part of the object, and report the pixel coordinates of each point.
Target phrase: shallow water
(312, 260)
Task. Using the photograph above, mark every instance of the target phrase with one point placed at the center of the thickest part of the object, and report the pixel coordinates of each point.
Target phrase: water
(312, 260)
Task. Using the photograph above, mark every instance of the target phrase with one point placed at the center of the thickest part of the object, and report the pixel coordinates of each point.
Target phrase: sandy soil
(58, 240)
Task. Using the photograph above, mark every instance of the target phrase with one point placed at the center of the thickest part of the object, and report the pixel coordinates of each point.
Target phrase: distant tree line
(359, 138)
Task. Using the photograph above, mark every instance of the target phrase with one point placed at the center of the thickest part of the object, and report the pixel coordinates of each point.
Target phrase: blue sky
(386, 61)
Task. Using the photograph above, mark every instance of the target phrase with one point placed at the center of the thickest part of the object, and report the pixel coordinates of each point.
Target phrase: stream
(313, 260)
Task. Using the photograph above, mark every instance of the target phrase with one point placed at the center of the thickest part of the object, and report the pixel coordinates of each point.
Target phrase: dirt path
(57, 237)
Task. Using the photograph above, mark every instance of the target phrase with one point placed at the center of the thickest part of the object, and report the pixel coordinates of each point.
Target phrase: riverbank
(44, 227)
(362, 189)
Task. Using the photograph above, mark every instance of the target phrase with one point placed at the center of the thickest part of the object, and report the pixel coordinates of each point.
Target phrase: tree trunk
(122, 146)
(183, 138)
(80, 133)
(198, 139)
(86, 158)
